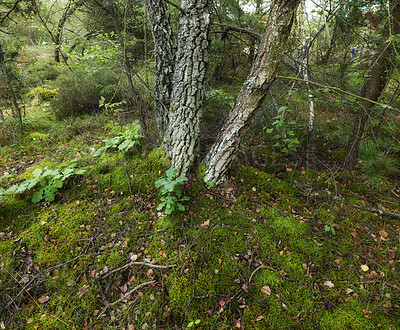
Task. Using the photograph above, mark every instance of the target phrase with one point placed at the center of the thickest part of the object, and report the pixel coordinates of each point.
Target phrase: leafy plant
(375, 165)
(284, 132)
(124, 141)
(194, 323)
(46, 181)
(331, 229)
(170, 188)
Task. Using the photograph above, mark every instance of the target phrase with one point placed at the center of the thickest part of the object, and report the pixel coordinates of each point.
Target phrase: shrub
(41, 93)
(375, 165)
(80, 93)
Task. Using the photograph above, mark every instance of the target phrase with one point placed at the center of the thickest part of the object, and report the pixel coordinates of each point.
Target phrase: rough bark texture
(164, 55)
(7, 76)
(182, 134)
(254, 90)
(373, 88)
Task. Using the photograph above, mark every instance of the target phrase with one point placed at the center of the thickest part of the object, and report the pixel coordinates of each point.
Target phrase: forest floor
(279, 245)
(294, 248)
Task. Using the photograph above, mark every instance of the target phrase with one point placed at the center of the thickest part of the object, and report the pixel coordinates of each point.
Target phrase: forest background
(226, 164)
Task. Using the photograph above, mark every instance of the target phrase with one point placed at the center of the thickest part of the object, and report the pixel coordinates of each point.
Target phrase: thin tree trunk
(164, 55)
(373, 88)
(305, 70)
(254, 90)
(7, 77)
(128, 70)
(182, 134)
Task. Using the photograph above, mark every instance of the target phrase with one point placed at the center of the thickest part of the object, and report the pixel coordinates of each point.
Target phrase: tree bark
(373, 87)
(164, 55)
(3, 69)
(182, 134)
(254, 90)
(305, 70)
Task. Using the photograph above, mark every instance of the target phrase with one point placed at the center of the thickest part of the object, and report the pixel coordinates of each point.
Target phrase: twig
(257, 269)
(126, 295)
(42, 272)
(138, 263)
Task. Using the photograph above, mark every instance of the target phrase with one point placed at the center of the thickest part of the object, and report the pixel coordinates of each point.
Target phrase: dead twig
(141, 263)
(126, 295)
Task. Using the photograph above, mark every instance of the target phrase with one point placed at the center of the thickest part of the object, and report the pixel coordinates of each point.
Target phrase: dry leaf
(383, 234)
(205, 223)
(134, 257)
(44, 299)
(329, 284)
(364, 268)
(245, 288)
(254, 189)
(266, 289)
(348, 291)
(259, 318)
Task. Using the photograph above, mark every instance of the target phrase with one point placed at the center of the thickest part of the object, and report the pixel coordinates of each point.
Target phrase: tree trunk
(373, 87)
(6, 74)
(164, 55)
(182, 134)
(254, 90)
(305, 70)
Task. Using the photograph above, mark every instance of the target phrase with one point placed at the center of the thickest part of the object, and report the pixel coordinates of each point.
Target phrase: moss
(179, 291)
(348, 316)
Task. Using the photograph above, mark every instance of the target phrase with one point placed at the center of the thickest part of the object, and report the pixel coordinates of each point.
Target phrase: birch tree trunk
(182, 134)
(373, 86)
(254, 90)
(305, 70)
(164, 55)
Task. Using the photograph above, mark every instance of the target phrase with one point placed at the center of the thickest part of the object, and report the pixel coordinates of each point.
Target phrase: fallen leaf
(266, 289)
(44, 299)
(348, 291)
(134, 257)
(245, 288)
(383, 234)
(205, 223)
(259, 318)
(329, 284)
(29, 321)
(364, 268)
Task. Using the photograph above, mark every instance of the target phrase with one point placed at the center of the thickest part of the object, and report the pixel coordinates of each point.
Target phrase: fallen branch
(142, 263)
(257, 269)
(126, 295)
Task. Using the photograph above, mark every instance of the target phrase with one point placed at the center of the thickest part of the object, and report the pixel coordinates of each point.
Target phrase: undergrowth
(254, 253)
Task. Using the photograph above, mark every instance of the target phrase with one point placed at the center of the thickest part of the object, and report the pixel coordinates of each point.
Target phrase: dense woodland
(204, 164)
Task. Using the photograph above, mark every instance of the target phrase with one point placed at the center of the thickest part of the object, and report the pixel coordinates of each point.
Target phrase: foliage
(47, 182)
(42, 93)
(123, 141)
(80, 92)
(170, 189)
(376, 166)
(284, 131)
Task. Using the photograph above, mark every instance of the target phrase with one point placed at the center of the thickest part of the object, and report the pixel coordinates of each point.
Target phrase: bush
(80, 92)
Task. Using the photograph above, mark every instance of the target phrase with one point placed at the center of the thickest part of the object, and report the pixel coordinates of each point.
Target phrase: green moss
(348, 316)
(179, 291)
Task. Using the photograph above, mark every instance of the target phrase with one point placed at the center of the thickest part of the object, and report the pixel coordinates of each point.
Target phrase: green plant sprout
(331, 229)
(123, 141)
(194, 323)
(170, 189)
(47, 181)
(284, 132)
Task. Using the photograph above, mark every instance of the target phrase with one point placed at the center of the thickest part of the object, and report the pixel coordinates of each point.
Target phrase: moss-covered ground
(297, 248)
(278, 246)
